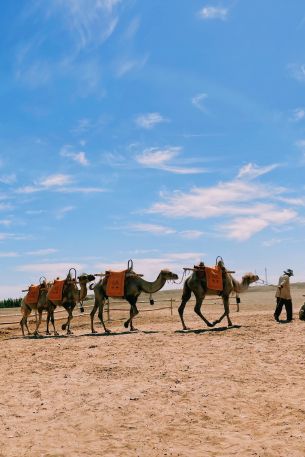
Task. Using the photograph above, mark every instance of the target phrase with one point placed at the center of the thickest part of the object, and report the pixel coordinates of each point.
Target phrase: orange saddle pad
(115, 284)
(32, 296)
(214, 278)
(55, 292)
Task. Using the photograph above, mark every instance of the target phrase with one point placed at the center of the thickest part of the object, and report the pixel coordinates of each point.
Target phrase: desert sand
(160, 392)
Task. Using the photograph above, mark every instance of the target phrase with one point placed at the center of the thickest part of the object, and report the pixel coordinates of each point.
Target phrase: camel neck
(152, 287)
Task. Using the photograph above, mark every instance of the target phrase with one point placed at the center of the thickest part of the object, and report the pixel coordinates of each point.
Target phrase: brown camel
(70, 296)
(39, 306)
(197, 283)
(133, 287)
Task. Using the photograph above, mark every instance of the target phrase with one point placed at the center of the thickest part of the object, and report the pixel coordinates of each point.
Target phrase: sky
(166, 132)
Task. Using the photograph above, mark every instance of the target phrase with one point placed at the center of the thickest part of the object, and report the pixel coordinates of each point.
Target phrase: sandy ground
(159, 392)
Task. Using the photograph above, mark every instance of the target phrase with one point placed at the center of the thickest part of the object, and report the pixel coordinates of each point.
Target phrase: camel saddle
(115, 283)
(213, 276)
(32, 296)
(55, 292)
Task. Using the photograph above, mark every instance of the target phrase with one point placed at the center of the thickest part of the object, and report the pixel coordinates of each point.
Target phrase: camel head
(168, 275)
(249, 278)
(85, 278)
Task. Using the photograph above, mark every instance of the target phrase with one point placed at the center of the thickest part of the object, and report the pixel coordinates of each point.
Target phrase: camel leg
(101, 315)
(197, 310)
(48, 322)
(185, 298)
(51, 318)
(133, 312)
(26, 311)
(38, 322)
(226, 312)
(237, 303)
(92, 314)
(66, 325)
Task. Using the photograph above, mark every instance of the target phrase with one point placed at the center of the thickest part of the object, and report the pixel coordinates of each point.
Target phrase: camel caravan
(128, 285)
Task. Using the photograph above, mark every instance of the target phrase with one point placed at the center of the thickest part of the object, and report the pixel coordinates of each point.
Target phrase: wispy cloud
(127, 65)
(152, 228)
(88, 21)
(61, 213)
(42, 252)
(198, 101)
(50, 270)
(79, 157)
(148, 121)
(298, 114)
(56, 180)
(297, 71)
(252, 171)
(8, 254)
(213, 12)
(58, 183)
(191, 234)
(160, 159)
(8, 179)
(246, 207)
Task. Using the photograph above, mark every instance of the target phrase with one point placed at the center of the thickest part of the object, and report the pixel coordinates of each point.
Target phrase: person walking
(283, 296)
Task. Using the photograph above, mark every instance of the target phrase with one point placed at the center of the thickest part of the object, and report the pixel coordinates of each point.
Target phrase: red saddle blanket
(214, 278)
(115, 284)
(32, 296)
(55, 292)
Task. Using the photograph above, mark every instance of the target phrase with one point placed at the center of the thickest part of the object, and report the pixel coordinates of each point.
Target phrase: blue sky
(168, 132)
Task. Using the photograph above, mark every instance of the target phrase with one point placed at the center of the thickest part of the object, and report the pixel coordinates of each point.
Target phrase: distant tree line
(10, 303)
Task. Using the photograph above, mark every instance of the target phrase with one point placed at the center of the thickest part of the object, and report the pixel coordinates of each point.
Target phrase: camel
(197, 284)
(39, 307)
(133, 286)
(70, 296)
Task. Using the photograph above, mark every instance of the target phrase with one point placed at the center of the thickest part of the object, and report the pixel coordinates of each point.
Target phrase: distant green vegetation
(10, 303)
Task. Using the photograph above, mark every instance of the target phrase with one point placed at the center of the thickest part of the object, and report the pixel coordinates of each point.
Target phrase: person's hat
(289, 272)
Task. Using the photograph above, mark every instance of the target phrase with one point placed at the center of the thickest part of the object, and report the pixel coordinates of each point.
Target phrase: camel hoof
(56, 334)
(94, 332)
(69, 332)
(107, 330)
(48, 333)
(133, 329)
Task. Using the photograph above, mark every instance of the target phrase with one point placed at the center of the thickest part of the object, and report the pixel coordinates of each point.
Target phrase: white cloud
(8, 255)
(191, 234)
(160, 158)
(6, 222)
(89, 21)
(251, 170)
(42, 252)
(148, 121)
(297, 71)
(8, 179)
(50, 270)
(212, 12)
(56, 181)
(79, 157)
(198, 101)
(298, 114)
(245, 207)
(60, 214)
(127, 65)
(152, 228)
(156, 158)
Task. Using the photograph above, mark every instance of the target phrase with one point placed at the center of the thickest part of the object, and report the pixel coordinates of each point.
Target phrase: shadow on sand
(208, 330)
(44, 337)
